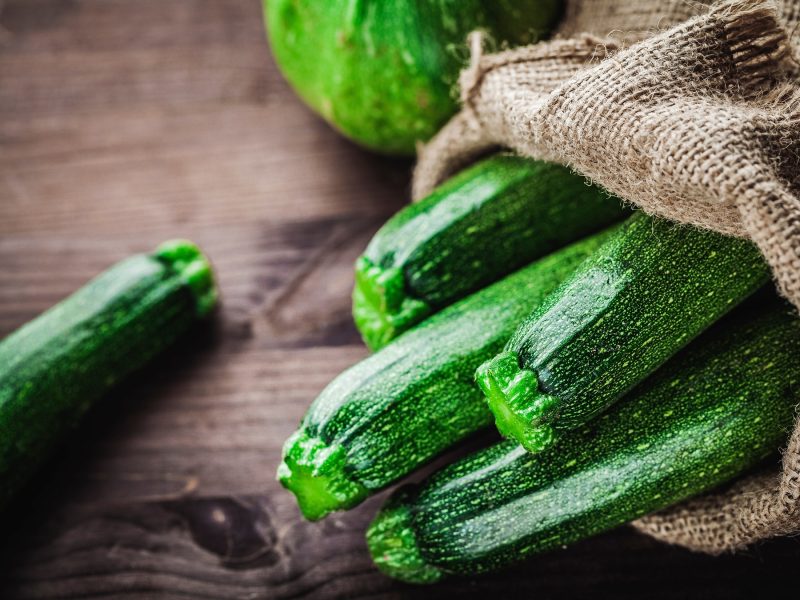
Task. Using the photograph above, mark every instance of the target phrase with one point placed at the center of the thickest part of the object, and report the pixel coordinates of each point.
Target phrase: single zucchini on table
(485, 222)
(645, 294)
(416, 397)
(53, 368)
(708, 415)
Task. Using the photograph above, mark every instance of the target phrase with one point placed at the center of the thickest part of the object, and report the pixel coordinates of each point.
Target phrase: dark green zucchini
(53, 368)
(405, 404)
(482, 224)
(645, 294)
(713, 412)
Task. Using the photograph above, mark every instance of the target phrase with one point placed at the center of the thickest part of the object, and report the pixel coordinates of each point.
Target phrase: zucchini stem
(519, 407)
(188, 261)
(382, 307)
(314, 472)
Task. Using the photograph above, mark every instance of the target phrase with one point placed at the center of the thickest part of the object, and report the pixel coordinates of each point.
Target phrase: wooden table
(127, 122)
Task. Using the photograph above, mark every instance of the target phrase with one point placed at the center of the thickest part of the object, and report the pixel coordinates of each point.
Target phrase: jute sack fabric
(689, 110)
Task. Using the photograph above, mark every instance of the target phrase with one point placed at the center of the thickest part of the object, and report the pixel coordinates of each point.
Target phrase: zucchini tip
(393, 545)
(513, 396)
(194, 268)
(382, 308)
(314, 472)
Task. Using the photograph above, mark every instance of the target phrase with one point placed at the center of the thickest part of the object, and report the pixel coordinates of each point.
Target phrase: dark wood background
(127, 122)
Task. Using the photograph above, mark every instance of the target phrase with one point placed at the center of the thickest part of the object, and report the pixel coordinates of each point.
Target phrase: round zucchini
(383, 72)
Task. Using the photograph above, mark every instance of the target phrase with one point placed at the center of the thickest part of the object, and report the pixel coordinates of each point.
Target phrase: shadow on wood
(257, 547)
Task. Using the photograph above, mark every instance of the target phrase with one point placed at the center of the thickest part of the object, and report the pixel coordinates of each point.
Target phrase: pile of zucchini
(598, 341)
(609, 347)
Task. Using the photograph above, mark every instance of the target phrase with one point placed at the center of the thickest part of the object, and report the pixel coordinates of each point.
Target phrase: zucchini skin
(382, 73)
(711, 413)
(651, 289)
(487, 221)
(403, 405)
(56, 366)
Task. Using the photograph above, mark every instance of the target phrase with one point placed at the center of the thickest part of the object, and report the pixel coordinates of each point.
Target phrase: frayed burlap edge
(545, 101)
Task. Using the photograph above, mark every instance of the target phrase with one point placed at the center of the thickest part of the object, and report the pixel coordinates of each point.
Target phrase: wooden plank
(91, 139)
(290, 278)
(218, 167)
(256, 547)
(62, 57)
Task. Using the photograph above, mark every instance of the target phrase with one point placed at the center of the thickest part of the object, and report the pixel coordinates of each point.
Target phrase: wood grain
(256, 547)
(127, 122)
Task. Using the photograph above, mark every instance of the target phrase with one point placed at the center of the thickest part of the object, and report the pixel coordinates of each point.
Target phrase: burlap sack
(689, 110)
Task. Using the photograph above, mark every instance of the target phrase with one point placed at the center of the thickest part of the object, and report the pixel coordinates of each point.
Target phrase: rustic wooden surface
(127, 122)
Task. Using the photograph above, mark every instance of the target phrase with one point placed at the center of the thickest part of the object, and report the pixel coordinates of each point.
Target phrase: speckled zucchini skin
(639, 299)
(711, 413)
(53, 368)
(400, 407)
(485, 222)
(384, 73)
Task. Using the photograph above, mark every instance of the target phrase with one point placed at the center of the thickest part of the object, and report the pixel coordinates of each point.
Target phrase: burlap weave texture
(689, 110)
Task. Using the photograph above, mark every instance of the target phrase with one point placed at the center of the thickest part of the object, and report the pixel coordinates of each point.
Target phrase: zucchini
(645, 294)
(711, 413)
(383, 73)
(485, 222)
(53, 368)
(405, 404)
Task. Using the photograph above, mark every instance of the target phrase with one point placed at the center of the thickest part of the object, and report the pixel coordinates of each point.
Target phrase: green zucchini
(405, 404)
(53, 368)
(640, 298)
(714, 411)
(485, 222)
(383, 73)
